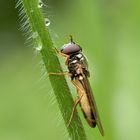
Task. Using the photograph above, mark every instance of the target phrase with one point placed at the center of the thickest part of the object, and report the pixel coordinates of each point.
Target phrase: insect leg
(77, 101)
(74, 108)
(77, 86)
(63, 55)
(61, 73)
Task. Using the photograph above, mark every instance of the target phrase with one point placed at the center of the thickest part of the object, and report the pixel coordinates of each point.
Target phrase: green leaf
(33, 22)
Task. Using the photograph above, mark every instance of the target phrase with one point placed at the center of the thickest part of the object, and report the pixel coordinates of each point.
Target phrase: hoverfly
(79, 74)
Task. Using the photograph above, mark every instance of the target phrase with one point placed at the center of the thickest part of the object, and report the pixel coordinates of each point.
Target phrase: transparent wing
(87, 87)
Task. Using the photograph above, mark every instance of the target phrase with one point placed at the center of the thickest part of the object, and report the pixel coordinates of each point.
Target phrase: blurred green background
(109, 33)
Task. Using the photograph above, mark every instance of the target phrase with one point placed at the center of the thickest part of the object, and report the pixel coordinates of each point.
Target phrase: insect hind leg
(77, 101)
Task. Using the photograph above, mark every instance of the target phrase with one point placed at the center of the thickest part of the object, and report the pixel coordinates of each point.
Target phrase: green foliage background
(109, 33)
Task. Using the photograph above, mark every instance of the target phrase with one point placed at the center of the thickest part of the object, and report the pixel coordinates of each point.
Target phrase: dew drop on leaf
(39, 48)
(35, 35)
(40, 4)
(47, 22)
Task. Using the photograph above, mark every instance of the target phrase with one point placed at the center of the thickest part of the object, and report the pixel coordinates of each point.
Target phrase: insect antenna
(71, 39)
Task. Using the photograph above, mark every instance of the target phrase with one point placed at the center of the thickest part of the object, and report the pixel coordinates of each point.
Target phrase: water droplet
(40, 4)
(39, 48)
(35, 35)
(47, 22)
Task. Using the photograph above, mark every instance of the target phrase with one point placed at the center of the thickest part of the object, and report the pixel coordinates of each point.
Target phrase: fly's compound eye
(70, 48)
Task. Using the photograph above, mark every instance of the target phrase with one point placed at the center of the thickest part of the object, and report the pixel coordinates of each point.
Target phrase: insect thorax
(77, 64)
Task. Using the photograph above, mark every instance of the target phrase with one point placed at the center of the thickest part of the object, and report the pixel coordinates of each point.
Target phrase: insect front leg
(60, 74)
(63, 55)
(60, 53)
